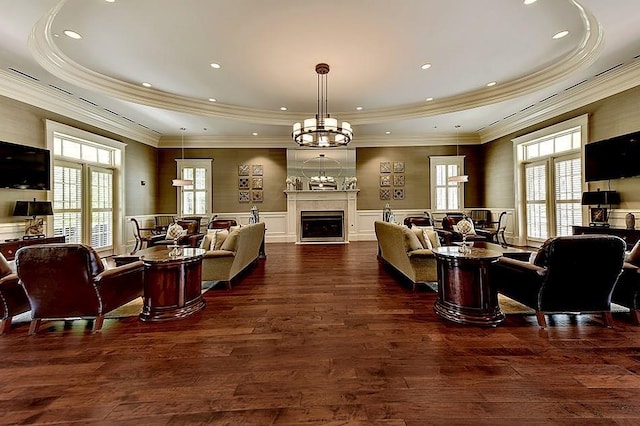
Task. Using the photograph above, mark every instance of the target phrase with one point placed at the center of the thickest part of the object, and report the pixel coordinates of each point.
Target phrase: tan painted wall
(613, 116)
(417, 184)
(25, 124)
(225, 177)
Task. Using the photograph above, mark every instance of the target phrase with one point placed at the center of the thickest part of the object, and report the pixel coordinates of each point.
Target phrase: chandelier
(322, 131)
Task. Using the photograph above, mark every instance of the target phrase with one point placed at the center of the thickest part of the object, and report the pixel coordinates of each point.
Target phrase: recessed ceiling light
(283, 108)
(429, 99)
(110, 1)
(425, 66)
(145, 84)
(215, 65)
(255, 133)
(212, 100)
(358, 108)
(387, 132)
(529, 1)
(493, 83)
(72, 34)
(560, 34)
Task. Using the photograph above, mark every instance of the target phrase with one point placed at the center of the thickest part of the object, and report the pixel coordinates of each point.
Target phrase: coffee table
(465, 293)
(172, 281)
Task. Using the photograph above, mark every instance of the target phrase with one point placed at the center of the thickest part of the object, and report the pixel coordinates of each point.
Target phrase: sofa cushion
(231, 242)
(5, 269)
(218, 238)
(174, 231)
(431, 236)
(419, 231)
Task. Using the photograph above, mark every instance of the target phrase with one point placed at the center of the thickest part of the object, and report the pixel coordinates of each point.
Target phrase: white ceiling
(268, 51)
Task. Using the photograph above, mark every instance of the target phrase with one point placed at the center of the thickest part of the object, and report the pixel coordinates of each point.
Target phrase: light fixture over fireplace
(322, 131)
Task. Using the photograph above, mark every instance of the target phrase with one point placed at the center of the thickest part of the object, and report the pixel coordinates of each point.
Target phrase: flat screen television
(613, 158)
(24, 167)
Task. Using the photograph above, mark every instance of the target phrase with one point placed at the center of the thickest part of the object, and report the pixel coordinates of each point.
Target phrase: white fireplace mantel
(298, 201)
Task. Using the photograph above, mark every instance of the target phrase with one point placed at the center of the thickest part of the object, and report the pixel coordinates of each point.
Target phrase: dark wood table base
(465, 294)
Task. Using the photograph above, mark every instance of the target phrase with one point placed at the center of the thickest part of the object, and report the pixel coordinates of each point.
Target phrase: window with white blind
(86, 174)
(195, 199)
(445, 195)
(550, 181)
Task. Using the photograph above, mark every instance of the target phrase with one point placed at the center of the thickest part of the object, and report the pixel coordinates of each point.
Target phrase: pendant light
(180, 181)
(458, 178)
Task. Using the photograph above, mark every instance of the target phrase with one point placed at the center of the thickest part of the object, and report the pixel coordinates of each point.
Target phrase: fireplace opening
(322, 226)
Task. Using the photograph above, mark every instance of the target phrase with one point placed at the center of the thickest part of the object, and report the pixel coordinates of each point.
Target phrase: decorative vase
(630, 220)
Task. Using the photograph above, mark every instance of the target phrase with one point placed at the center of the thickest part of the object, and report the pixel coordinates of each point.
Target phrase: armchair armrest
(420, 253)
(118, 270)
(219, 253)
(521, 265)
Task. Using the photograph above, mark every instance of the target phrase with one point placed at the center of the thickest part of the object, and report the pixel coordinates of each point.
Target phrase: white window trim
(205, 163)
(436, 160)
(581, 121)
(52, 127)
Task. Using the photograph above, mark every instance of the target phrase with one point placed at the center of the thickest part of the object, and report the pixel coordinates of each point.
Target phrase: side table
(465, 293)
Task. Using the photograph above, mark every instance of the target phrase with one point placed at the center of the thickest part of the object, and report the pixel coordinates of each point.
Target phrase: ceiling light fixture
(212, 100)
(215, 65)
(560, 34)
(322, 131)
(179, 181)
(493, 83)
(528, 2)
(425, 66)
(145, 84)
(458, 178)
(72, 34)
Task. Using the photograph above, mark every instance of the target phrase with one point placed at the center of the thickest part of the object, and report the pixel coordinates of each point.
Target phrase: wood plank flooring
(322, 334)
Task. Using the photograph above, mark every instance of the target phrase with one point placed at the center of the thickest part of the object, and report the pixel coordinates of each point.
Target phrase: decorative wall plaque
(385, 180)
(256, 170)
(256, 196)
(256, 183)
(398, 180)
(244, 196)
(243, 170)
(385, 193)
(243, 183)
(385, 167)
(398, 193)
(398, 167)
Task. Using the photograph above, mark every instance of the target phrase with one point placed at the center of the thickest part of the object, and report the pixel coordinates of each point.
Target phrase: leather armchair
(13, 300)
(570, 274)
(627, 290)
(69, 280)
(191, 238)
(449, 235)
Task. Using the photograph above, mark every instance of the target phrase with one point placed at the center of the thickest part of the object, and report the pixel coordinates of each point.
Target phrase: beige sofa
(400, 248)
(239, 250)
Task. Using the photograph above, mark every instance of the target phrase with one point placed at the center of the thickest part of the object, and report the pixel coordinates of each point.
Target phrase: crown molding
(45, 51)
(611, 83)
(32, 93)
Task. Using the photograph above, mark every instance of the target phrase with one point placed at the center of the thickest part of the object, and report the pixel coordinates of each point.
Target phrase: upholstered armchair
(69, 280)
(13, 300)
(449, 232)
(573, 274)
(627, 290)
(191, 235)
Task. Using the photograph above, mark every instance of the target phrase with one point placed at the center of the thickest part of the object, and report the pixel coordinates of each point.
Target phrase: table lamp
(34, 226)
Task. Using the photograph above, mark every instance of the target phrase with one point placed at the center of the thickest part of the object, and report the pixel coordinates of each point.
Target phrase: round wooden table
(465, 293)
(172, 282)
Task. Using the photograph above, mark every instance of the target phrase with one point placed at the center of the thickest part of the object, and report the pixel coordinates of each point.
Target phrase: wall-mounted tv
(24, 167)
(613, 158)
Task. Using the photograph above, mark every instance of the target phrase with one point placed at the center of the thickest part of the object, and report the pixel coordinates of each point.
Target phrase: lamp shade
(33, 208)
(595, 198)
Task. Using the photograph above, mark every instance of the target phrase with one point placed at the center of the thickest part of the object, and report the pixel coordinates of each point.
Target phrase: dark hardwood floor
(322, 334)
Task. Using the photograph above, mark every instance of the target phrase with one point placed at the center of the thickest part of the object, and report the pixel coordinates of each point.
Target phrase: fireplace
(322, 226)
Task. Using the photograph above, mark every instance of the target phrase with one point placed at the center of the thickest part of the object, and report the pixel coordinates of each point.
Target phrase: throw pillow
(231, 242)
(634, 255)
(411, 241)
(431, 236)
(174, 231)
(218, 238)
(465, 226)
(205, 243)
(5, 269)
(419, 231)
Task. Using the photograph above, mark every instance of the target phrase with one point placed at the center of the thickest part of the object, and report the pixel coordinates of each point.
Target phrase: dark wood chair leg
(607, 317)
(5, 325)
(34, 326)
(542, 322)
(97, 324)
